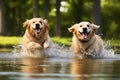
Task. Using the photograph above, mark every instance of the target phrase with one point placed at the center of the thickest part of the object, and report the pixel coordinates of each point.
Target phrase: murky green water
(18, 68)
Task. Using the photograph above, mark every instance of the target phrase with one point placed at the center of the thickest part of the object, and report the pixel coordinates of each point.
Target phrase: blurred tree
(58, 18)
(35, 8)
(110, 18)
(15, 15)
(46, 8)
(73, 11)
(77, 10)
(2, 30)
(96, 13)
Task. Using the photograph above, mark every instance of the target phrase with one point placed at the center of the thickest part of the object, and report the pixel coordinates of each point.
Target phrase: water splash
(107, 51)
(54, 51)
(61, 51)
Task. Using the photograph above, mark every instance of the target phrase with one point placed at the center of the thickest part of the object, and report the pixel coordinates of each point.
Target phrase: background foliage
(71, 11)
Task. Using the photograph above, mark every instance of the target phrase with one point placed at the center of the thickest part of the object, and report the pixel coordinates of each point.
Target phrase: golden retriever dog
(85, 41)
(36, 37)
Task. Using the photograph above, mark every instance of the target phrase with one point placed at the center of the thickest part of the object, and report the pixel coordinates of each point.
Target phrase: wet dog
(85, 41)
(36, 37)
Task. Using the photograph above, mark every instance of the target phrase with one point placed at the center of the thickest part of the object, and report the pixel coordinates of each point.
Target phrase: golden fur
(84, 40)
(36, 36)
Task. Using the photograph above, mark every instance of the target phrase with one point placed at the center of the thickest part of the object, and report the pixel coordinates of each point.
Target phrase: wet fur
(31, 40)
(92, 45)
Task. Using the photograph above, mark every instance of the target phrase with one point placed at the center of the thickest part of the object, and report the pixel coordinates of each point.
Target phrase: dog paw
(33, 45)
(45, 45)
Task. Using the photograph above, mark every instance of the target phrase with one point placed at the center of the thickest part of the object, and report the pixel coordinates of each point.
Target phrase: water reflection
(82, 68)
(33, 65)
(58, 68)
(92, 69)
(39, 67)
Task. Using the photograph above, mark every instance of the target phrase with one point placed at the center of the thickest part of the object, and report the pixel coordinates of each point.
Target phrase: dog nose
(85, 30)
(37, 26)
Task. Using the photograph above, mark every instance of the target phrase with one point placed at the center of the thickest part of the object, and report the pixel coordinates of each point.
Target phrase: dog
(85, 41)
(36, 37)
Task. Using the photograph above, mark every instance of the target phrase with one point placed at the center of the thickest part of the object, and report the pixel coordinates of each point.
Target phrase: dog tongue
(38, 30)
(84, 35)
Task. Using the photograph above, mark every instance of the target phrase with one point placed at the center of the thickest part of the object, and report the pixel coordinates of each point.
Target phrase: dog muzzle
(84, 33)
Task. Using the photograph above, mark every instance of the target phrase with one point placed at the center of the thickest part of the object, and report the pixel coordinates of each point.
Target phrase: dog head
(83, 30)
(36, 26)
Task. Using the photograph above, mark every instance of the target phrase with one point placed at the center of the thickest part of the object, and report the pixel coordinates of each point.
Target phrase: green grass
(9, 41)
(62, 41)
(115, 42)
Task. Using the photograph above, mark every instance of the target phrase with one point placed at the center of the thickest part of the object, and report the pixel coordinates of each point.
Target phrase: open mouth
(37, 31)
(37, 28)
(84, 34)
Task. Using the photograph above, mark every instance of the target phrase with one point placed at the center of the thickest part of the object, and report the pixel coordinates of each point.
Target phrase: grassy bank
(9, 42)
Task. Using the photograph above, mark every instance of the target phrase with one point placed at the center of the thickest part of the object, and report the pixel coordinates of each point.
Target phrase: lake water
(57, 68)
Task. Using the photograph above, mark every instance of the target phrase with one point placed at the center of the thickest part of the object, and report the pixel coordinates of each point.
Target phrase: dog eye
(40, 21)
(88, 26)
(33, 22)
(80, 25)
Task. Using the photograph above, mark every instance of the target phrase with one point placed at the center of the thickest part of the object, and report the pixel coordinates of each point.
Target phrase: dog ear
(95, 26)
(45, 22)
(26, 24)
(72, 28)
